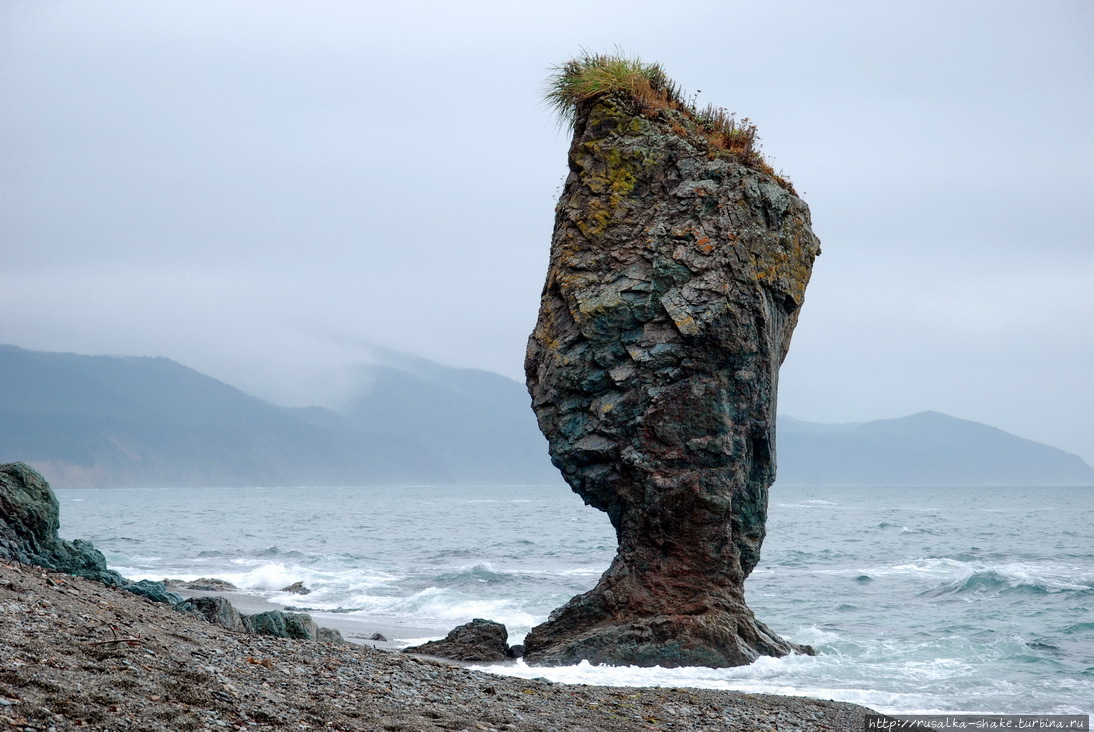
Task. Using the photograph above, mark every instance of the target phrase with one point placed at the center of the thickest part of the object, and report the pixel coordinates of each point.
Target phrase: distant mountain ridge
(138, 421)
(928, 448)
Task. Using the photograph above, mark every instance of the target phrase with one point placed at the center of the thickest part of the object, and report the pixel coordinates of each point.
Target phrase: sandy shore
(78, 655)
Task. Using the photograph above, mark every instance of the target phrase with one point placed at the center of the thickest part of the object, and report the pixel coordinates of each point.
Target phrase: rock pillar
(676, 275)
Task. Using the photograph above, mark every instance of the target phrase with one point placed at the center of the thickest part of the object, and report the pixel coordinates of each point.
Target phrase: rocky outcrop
(29, 520)
(677, 271)
(217, 610)
(275, 623)
(290, 625)
(482, 641)
(203, 584)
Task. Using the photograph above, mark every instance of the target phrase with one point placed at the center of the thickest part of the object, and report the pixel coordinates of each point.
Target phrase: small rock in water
(296, 588)
(377, 637)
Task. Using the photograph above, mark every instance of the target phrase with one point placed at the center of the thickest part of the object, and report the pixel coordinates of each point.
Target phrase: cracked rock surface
(675, 281)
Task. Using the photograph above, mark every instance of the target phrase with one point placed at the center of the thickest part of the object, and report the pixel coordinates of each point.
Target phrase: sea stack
(679, 262)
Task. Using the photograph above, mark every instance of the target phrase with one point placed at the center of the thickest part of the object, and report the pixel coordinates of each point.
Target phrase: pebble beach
(75, 654)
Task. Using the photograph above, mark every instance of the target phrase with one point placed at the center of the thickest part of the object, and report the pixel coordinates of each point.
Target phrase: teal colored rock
(154, 591)
(290, 625)
(29, 520)
(217, 610)
(282, 625)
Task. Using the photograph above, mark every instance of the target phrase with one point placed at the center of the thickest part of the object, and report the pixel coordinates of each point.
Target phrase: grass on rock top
(647, 90)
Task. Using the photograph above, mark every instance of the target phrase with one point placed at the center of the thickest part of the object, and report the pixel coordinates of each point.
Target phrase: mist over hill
(135, 421)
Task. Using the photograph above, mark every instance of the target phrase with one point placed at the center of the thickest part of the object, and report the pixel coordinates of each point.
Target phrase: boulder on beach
(480, 641)
(290, 625)
(678, 267)
(201, 584)
(216, 610)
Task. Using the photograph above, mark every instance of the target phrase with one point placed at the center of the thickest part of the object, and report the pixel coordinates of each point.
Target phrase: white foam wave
(814, 636)
(575, 571)
(1051, 577)
(435, 605)
(807, 504)
(764, 676)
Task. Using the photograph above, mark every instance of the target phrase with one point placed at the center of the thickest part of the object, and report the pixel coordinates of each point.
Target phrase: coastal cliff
(679, 262)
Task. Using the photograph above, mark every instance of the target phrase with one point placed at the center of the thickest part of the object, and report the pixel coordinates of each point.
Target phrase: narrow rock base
(583, 630)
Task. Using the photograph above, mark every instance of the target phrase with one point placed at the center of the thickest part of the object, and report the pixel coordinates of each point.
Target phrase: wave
(787, 675)
(807, 504)
(478, 574)
(1014, 578)
(1079, 629)
(932, 532)
(445, 607)
(273, 551)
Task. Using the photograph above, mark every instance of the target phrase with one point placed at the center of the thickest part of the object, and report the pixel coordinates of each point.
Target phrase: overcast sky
(260, 189)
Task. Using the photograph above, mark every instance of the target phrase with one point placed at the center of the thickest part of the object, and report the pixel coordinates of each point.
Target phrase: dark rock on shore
(482, 641)
(216, 610)
(290, 625)
(203, 584)
(154, 591)
(276, 623)
(677, 271)
(29, 520)
(296, 588)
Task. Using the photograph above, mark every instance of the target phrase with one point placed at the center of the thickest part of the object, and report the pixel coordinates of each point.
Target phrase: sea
(917, 599)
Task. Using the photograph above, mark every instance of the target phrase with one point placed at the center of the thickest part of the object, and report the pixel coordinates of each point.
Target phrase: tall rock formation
(679, 262)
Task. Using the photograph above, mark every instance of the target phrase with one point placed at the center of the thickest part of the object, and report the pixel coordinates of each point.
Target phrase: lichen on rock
(678, 267)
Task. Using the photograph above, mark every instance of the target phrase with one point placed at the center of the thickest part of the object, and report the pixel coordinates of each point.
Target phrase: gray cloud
(258, 189)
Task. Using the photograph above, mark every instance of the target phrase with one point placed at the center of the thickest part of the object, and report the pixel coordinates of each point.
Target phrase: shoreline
(76, 653)
(354, 628)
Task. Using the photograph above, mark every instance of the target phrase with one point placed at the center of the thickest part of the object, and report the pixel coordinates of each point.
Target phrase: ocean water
(919, 600)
